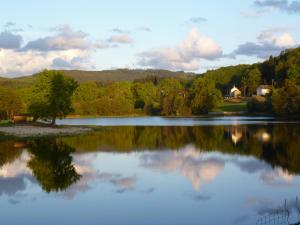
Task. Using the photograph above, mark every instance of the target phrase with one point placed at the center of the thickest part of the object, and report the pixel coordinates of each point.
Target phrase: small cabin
(263, 90)
(235, 92)
(21, 118)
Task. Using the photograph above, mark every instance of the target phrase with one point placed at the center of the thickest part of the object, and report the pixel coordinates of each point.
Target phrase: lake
(145, 171)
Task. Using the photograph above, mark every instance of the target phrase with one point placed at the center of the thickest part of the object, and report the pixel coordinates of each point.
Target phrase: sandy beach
(34, 131)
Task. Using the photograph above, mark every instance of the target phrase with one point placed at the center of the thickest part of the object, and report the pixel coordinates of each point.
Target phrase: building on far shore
(235, 92)
(263, 90)
(21, 118)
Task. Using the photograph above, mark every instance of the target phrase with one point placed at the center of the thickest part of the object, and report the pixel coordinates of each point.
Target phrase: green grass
(231, 107)
(5, 123)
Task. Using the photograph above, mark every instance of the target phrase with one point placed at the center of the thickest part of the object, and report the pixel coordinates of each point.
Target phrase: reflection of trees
(8, 153)
(51, 164)
(277, 144)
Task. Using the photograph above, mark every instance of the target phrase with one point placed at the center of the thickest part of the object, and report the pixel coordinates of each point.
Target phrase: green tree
(51, 95)
(204, 96)
(85, 98)
(172, 96)
(145, 96)
(286, 100)
(251, 80)
(10, 103)
(259, 104)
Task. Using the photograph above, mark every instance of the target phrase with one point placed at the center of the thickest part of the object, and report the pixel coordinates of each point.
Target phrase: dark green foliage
(10, 103)
(226, 77)
(277, 69)
(204, 96)
(51, 96)
(259, 104)
(173, 98)
(251, 80)
(146, 96)
(286, 100)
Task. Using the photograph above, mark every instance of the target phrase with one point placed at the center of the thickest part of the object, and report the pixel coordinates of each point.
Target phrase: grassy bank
(5, 123)
(232, 107)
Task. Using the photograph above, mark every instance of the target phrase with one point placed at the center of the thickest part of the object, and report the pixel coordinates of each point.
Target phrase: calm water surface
(186, 172)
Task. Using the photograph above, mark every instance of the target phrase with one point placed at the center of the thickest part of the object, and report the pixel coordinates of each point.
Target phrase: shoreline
(27, 131)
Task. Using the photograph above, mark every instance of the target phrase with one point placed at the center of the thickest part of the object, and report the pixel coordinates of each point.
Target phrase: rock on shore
(34, 131)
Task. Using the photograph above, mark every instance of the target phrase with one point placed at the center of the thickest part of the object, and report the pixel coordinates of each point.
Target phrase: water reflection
(276, 144)
(51, 164)
(251, 167)
(47, 159)
(189, 162)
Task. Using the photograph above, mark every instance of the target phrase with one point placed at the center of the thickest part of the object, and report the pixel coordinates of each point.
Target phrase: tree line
(55, 95)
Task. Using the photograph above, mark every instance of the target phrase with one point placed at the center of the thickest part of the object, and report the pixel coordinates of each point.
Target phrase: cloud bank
(184, 56)
(66, 48)
(269, 42)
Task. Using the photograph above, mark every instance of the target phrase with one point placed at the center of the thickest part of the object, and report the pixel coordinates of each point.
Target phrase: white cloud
(14, 63)
(277, 37)
(121, 39)
(185, 56)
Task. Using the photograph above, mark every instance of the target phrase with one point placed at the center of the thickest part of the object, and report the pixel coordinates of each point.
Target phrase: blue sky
(189, 35)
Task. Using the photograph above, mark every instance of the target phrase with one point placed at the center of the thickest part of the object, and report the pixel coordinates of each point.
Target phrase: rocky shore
(38, 131)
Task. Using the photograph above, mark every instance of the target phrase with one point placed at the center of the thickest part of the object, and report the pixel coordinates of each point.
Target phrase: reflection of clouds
(189, 162)
(84, 165)
(10, 186)
(17, 167)
(14, 174)
(127, 182)
(124, 184)
(275, 177)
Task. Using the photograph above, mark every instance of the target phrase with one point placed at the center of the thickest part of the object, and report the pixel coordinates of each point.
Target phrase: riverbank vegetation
(157, 92)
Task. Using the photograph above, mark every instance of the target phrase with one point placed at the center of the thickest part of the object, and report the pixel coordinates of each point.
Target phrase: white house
(235, 92)
(263, 90)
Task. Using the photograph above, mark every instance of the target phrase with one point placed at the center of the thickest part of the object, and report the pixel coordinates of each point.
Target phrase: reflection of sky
(160, 121)
(177, 187)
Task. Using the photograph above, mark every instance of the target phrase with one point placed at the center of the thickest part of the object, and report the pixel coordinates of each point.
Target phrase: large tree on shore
(204, 96)
(51, 95)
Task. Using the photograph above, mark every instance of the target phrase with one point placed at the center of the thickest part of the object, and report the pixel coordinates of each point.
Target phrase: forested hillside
(105, 76)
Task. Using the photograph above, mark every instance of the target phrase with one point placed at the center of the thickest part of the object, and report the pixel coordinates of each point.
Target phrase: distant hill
(123, 75)
(100, 76)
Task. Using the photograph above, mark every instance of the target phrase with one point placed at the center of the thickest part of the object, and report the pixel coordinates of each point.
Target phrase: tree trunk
(53, 121)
